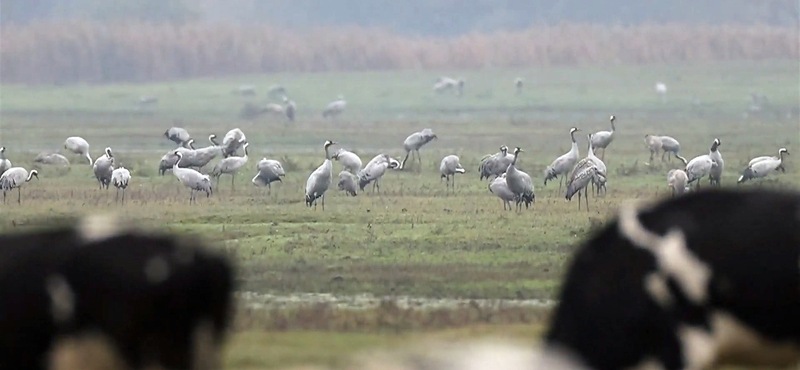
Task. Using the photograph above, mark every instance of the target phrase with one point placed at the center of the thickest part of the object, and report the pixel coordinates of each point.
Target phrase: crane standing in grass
(230, 166)
(320, 180)
(192, 179)
(450, 166)
(563, 164)
(78, 145)
(16, 177)
(495, 165)
(414, 142)
(178, 135)
(269, 171)
(120, 178)
(103, 167)
(760, 167)
(601, 139)
(519, 182)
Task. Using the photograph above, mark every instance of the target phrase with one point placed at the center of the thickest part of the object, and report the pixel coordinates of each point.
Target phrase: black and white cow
(712, 278)
(94, 296)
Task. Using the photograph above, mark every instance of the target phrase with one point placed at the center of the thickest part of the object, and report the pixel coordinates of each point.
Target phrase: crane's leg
(218, 180)
(403, 163)
(419, 159)
(603, 156)
(19, 195)
(233, 177)
(586, 196)
(123, 196)
(651, 156)
(116, 198)
(560, 182)
(4, 196)
(579, 200)
(323, 201)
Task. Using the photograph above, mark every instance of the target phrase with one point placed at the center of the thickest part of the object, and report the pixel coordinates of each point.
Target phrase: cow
(94, 294)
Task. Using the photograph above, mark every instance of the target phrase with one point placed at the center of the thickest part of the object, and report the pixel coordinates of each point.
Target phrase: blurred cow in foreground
(96, 296)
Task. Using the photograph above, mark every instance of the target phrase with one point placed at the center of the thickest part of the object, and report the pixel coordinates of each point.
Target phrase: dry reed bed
(71, 51)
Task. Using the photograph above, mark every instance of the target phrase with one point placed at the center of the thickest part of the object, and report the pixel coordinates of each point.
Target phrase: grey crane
(518, 85)
(758, 169)
(78, 145)
(50, 158)
(653, 143)
(348, 182)
(16, 177)
(761, 158)
(269, 171)
(103, 167)
(335, 108)
(230, 166)
(450, 166)
(667, 144)
(372, 171)
(519, 182)
(499, 187)
(701, 165)
(564, 163)
(715, 177)
(4, 162)
(496, 164)
(375, 169)
(449, 84)
(192, 179)
(289, 108)
(599, 180)
(677, 180)
(601, 139)
(414, 142)
(201, 157)
(169, 159)
(120, 178)
(350, 161)
(320, 180)
(178, 135)
(581, 177)
(232, 141)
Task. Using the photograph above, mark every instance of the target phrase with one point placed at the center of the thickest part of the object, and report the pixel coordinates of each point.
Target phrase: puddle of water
(368, 301)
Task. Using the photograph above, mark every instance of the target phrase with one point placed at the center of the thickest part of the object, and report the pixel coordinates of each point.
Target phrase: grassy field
(412, 239)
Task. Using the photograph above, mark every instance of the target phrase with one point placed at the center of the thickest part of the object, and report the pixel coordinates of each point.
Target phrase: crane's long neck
(175, 166)
(780, 156)
(612, 126)
(514, 161)
(572, 136)
(245, 151)
(327, 153)
(30, 175)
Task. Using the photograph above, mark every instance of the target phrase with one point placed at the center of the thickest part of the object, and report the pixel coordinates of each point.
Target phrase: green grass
(412, 239)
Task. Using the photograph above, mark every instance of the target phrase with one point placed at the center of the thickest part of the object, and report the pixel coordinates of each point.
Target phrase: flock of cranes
(508, 182)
